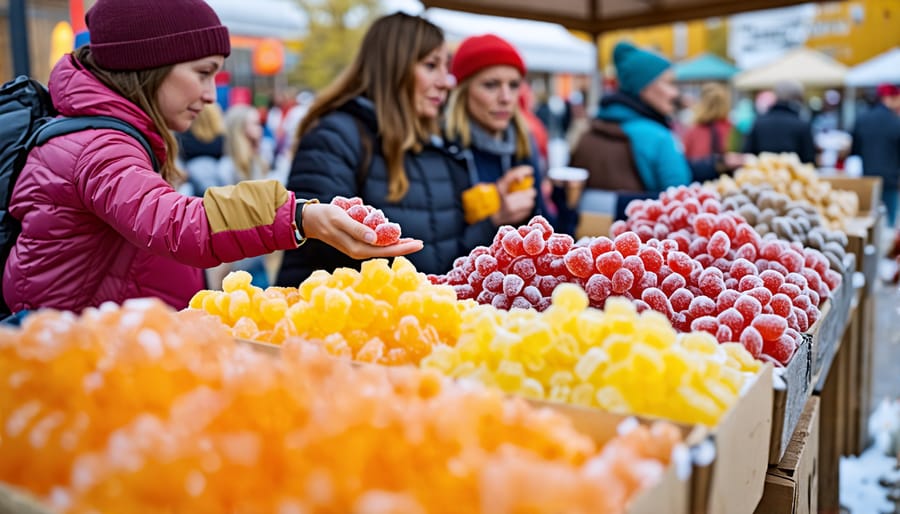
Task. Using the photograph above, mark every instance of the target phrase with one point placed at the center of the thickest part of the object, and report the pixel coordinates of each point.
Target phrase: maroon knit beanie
(479, 52)
(141, 34)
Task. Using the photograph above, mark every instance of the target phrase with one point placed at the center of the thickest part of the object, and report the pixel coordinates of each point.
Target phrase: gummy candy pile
(775, 215)
(615, 359)
(787, 175)
(763, 293)
(384, 314)
(140, 409)
(388, 233)
(519, 270)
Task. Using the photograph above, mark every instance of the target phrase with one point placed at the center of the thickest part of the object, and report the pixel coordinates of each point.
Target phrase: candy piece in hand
(387, 233)
(522, 185)
(480, 201)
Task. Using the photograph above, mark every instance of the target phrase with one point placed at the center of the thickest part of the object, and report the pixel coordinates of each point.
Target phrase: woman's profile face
(186, 89)
(431, 84)
(493, 97)
(253, 127)
(661, 93)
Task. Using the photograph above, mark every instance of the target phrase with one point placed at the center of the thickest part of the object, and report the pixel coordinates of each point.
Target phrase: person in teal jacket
(630, 149)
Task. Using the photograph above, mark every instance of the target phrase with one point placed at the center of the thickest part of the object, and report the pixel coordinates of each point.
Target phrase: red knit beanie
(138, 35)
(886, 90)
(479, 52)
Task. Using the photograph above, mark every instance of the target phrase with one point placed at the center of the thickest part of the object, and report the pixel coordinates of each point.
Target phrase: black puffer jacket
(327, 164)
(782, 130)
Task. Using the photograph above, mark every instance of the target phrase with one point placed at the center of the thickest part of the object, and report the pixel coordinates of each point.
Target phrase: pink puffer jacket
(98, 224)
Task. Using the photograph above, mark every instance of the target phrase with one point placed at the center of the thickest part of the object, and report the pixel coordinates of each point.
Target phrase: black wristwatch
(299, 235)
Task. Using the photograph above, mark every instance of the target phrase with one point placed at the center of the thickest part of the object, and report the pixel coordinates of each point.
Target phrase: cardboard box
(864, 231)
(792, 484)
(16, 501)
(732, 480)
(868, 189)
(592, 224)
(792, 389)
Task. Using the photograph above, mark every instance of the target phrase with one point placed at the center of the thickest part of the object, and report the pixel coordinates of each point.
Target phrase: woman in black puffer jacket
(372, 134)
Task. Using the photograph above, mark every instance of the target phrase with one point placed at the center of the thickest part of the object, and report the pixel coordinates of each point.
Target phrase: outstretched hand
(334, 227)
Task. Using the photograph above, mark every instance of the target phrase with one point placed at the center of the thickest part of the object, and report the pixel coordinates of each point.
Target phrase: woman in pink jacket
(98, 223)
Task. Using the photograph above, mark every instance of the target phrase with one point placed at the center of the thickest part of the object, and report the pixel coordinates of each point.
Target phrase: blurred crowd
(476, 107)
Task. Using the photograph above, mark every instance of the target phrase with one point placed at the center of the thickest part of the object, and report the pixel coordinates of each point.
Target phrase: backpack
(27, 120)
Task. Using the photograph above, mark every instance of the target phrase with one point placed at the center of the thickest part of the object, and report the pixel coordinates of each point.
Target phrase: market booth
(495, 386)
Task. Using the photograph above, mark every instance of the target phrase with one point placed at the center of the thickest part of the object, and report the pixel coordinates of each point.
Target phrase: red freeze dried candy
(770, 326)
(719, 244)
(752, 341)
(598, 288)
(580, 262)
(534, 243)
(627, 243)
(651, 257)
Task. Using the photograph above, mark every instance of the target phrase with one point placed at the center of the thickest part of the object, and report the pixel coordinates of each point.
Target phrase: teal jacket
(658, 155)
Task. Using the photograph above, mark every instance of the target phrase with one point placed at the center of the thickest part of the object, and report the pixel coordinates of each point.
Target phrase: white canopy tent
(279, 19)
(546, 47)
(809, 67)
(884, 67)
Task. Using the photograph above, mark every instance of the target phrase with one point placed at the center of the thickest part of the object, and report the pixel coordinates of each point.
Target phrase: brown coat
(605, 151)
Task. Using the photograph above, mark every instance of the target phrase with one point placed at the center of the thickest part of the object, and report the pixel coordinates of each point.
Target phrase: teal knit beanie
(637, 68)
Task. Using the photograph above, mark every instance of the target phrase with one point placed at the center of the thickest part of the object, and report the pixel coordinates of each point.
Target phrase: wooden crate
(864, 328)
(792, 484)
(831, 436)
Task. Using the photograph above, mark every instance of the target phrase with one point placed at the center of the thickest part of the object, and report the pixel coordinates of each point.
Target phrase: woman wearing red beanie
(484, 118)
(373, 133)
(98, 222)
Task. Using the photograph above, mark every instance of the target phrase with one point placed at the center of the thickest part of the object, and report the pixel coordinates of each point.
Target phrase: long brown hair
(458, 119)
(140, 88)
(714, 104)
(384, 72)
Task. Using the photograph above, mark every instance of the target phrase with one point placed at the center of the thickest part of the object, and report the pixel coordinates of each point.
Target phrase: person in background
(98, 222)
(242, 161)
(484, 119)
(199, 150)
(876, 140)
(206, 136)
(630, 150)
(373, 133)
(712, 133)
(781, 129)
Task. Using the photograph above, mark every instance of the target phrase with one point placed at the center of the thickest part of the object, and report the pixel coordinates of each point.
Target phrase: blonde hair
(714, 104)
(140, 88)
(209, 124)
(243, 152)
(458, 119)
(384, 71)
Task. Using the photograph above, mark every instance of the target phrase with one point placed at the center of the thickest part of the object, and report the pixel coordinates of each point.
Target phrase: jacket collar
(786, 106)
(634, 104)
(77, 92)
